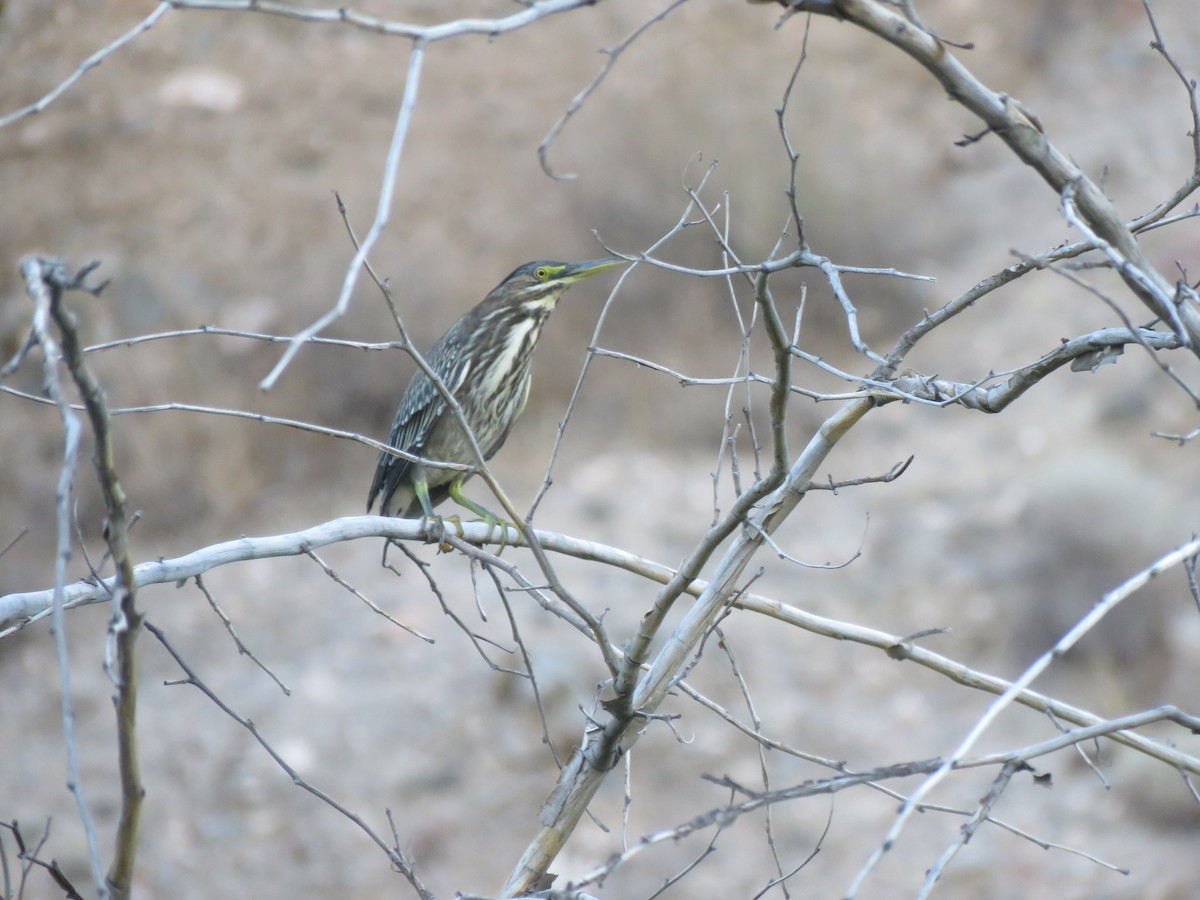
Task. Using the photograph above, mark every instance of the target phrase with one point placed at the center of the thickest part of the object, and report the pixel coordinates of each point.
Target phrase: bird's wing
(420, 407)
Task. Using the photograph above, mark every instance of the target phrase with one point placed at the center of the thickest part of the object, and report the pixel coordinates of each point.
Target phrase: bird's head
(541, 280)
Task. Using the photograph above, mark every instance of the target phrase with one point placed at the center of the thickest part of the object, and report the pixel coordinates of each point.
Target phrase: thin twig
(241, 648)
(530, 672)
(383, 210)
(367, 601)
(578, 100)
(264, 420)
(1106, 604)
(401, 863)
(87, 65)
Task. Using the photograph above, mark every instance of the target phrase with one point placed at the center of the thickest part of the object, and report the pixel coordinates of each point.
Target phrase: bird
(485, 361)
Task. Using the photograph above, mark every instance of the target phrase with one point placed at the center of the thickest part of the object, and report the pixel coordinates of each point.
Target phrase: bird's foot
(435, 531)
(493, 522)
(503, 526)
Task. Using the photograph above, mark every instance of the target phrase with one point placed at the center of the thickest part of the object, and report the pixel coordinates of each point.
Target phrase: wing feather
(419, 409)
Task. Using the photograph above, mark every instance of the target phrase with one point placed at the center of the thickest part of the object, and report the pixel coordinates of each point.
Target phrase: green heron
(484, 361)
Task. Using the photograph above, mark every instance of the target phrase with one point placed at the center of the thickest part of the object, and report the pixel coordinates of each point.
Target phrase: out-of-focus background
(198, 164)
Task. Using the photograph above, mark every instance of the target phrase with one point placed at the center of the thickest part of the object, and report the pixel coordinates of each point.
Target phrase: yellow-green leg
(421, 489)
(483, 512)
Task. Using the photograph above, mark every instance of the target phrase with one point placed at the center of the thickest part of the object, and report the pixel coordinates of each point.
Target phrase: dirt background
(198, 165)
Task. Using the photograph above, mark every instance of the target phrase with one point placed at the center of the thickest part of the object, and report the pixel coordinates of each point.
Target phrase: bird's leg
(421, 489)
(482, 511)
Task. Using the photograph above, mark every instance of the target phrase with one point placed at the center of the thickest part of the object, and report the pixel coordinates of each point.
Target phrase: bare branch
(1007, 118)
(1106, 604)
(125, 620)
(593, 350)
(262, 419)
(722, 817)
(968, 829)
(1189, 186)
(994, 398)
(611, 54)
(238, 333)
(44, 282)
(23, 608)
(87, 65)
(401, 863)
(429, 34)
(241, 648)
(367, 601)
(31, 857)
(383, 209)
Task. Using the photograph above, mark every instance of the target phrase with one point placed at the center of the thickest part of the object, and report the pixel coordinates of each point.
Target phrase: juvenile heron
(484, 361)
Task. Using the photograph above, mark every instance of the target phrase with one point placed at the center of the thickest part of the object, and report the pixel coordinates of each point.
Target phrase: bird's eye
(541, 273)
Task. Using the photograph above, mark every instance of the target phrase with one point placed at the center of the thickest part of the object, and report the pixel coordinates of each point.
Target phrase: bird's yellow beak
(573, 272)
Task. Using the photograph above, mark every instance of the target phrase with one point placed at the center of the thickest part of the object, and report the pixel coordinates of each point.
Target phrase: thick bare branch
(1020, 130)
(125, 621)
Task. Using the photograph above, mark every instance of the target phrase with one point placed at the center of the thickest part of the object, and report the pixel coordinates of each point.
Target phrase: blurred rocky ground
(199, 165)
